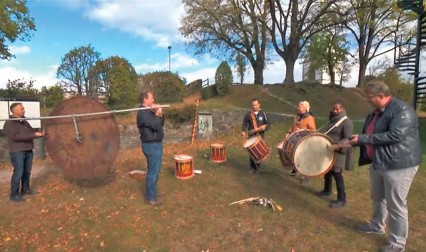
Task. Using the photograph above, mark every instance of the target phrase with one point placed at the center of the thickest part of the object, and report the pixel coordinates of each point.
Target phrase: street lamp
(170, 49)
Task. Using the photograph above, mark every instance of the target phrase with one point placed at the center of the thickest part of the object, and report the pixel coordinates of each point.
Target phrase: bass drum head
(314, 155)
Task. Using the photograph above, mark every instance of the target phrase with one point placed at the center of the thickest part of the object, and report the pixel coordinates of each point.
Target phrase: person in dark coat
(340, 128)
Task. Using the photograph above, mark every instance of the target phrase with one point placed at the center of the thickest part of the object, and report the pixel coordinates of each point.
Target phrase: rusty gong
(89, 154)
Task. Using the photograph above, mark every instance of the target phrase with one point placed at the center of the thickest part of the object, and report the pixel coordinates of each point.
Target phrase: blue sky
(138, 30)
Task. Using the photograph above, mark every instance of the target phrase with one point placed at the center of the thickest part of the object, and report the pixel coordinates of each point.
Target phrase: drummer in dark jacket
(340, 129)
(255, 122)
(150, 122)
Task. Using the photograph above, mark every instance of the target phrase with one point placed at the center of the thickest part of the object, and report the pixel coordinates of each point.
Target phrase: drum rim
(217, 145)
(182, 157)
(256, 138)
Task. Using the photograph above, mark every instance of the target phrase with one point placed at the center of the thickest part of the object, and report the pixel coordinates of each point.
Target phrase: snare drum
(309, 153)
(257, 149)
(184, 168)
(217, 153)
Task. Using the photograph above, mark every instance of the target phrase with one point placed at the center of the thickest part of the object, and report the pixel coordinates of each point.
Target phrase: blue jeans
(153, 152)
(22, 162)
(389, 191)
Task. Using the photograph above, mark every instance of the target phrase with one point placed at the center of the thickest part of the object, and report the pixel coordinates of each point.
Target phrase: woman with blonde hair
(302, 121)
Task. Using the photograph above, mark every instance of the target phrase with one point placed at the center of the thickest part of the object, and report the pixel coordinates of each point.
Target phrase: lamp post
(170, 49)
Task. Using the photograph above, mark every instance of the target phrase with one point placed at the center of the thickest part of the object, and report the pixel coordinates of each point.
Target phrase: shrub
(180, 115)
(223, 78)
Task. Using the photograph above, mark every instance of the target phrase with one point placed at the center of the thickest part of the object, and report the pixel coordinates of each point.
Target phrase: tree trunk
(361, 75)
(289, 73)
(258, 68)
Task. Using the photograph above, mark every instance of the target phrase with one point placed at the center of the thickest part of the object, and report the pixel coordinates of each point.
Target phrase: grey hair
(377, 87)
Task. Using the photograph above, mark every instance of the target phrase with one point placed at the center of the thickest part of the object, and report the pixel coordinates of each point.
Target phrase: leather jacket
(396, 138)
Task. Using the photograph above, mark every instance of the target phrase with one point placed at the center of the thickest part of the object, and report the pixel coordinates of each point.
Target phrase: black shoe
(293, 173)
(28, 192)
(323, 194)
(252, 171)
(337, 203)
(16, 198)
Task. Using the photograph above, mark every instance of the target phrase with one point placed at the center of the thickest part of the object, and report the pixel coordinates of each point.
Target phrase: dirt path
(40, 169)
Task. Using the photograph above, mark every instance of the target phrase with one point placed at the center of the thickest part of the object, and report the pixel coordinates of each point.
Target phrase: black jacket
(150, 126)
(396, 138)
(261, 119)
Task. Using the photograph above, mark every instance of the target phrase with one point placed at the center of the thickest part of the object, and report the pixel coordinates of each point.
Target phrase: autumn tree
(117, 80)
(226, 28)
(294, 22)
(74, 70)
(373, 24)
(15, 23)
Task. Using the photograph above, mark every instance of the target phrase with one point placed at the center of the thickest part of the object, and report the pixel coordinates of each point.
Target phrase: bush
(180, 115)
(208, 92)
(167, 87)
(223, 78)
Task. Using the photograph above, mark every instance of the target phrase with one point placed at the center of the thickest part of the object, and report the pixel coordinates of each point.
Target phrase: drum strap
(337, 124)
(253, 118)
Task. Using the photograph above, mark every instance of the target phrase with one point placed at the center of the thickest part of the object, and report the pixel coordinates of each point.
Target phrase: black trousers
(340, 184)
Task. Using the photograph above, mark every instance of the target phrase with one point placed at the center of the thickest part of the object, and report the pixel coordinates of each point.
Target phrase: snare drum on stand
(217, 153)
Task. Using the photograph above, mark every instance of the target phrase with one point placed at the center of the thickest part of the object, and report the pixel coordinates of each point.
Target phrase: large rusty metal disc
(90, 158)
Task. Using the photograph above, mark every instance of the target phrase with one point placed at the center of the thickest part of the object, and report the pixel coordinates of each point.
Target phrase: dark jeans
(154, 155)
(340, 184)
(22, 164)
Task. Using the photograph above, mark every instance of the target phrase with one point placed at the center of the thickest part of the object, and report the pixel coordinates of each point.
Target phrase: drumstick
(278, 206)
(244, 200)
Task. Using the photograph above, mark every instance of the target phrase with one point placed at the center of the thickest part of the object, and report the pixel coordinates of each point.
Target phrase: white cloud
(13, 73)
(153, 20)
(19, 49)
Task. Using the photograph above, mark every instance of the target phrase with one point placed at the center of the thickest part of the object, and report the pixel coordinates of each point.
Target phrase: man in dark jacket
(255, 122)
(340, 129)
(20, 136)
(390, 144)
(150, 123)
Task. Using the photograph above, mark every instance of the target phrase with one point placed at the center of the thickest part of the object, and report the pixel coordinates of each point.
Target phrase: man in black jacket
(150, 123)
(390, 144)
(255, 122)
(20, 136)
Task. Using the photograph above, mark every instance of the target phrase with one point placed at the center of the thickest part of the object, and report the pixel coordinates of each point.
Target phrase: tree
(373, 24)
(294, 22)
(20, 87)
(327, 50)
(74, 70)
(117, 80)
(223, 78)
(51, 96)
(15, 23)
(241, 67)
(226, 28)
(168, 87)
